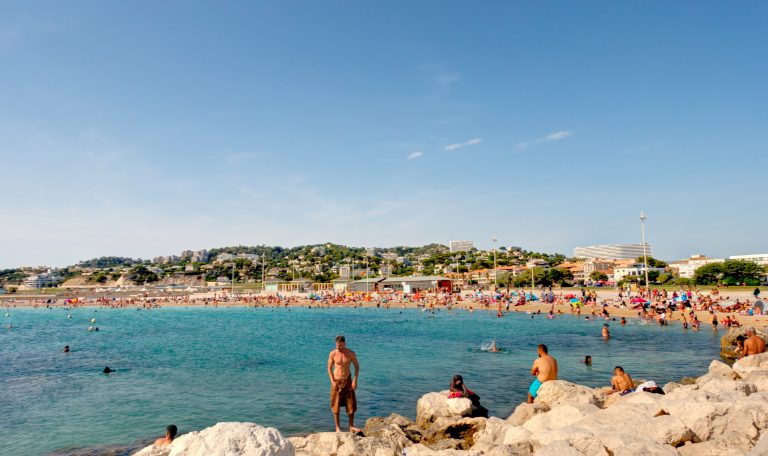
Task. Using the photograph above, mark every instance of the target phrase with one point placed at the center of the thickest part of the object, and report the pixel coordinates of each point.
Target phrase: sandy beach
(468, 302)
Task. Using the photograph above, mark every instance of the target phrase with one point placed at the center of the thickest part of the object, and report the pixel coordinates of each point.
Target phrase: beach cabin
(341, 285)
(416, 283)
(271, 286)
(366, 285)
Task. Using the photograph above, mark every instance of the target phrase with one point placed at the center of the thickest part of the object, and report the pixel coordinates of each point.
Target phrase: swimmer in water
(606, 333)
(66, 349)
(587, 360)
(170, 434)
(107, 370)
(493, 348)
(623, 321)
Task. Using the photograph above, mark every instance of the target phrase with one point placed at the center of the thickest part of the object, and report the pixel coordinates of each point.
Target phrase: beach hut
(341, 285)
(366, 285)
(416, 283)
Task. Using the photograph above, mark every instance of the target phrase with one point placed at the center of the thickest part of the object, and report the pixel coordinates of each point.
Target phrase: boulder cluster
(724, 412)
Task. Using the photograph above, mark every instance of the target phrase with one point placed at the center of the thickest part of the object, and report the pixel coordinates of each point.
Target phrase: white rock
(705, 419)
(558, 417)
(759, 378)
(622, 444)
(423, 450)
(558, 448)
(669, 430)
(558, 392)
(761, 447)
(344, 444)
(432, 406)
(153, 450)
(227, 439)
(745, 365)
(717, 369)
(578, 438)
(525, 412)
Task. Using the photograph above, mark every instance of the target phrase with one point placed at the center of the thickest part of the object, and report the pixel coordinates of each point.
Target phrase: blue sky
(144, 128)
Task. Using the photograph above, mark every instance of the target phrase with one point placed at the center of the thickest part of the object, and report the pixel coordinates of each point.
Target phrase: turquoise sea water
(195, 367)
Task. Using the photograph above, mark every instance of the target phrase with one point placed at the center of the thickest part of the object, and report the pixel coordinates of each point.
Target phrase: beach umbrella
(726, 304)
(575, 299)
(570, 296)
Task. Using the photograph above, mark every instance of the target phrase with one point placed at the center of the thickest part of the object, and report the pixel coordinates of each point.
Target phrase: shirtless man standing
(754, 344)
(545, 369)
(343, 385)
(621, 380)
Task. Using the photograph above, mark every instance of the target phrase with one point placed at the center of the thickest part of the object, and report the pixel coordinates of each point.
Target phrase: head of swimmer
(171, 431)
(341, 342)
(542, 349)
(618, 370)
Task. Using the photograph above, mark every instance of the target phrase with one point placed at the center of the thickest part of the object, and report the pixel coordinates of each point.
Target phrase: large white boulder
(557, 392)
(751, 363)
(558, 417)
(345, 444)
(578, 438)
(226, 439)
(525, 412)
(759, 378)
(558, 448)
(432, 406)
(717, 371)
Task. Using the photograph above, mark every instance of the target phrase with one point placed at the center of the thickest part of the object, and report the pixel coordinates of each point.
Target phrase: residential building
(685, 269)
(460, 246)
(759, 258)
(41, 280)
(612, 251)
(636, 269)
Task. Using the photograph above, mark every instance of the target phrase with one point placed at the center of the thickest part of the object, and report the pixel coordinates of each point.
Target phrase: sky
(145, 128)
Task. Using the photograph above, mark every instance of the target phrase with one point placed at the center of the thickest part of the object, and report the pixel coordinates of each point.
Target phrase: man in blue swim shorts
(545, 369)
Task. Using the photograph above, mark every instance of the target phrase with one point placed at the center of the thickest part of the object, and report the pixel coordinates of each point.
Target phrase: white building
(687, 268)
(759, 258)
(637, 269)
(40, 280)
(612, 251)
(460, 246)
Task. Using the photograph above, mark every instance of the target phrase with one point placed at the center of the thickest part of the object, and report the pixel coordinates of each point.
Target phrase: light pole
(645, 251)
(233, 279)
(495, 273)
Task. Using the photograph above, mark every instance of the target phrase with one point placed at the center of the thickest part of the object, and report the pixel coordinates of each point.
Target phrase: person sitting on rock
(621, 381)
(458, 389)
(170, 434)
(754, 344)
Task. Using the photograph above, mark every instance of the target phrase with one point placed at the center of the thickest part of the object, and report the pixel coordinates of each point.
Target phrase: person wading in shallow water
(343, 385)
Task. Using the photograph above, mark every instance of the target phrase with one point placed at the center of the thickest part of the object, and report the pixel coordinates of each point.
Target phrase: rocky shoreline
(724, 412)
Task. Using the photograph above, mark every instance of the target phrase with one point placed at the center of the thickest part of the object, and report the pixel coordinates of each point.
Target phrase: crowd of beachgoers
(690, 308)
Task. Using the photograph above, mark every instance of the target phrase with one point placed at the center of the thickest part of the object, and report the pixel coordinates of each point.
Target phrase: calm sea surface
(195, 367)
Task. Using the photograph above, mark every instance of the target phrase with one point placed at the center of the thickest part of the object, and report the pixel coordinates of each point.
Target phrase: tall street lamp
(495, 272)
(645, 251)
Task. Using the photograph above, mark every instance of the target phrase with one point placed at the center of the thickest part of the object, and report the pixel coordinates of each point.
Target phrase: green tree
(652, 262)
(140, 274)
(598, 276)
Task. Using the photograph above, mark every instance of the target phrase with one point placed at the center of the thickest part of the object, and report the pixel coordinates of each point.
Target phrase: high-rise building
(461, 246)
(612, 251)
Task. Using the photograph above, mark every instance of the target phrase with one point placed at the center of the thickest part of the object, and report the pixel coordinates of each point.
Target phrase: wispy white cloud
(415, 155)
(471, 142)
(554, 136)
